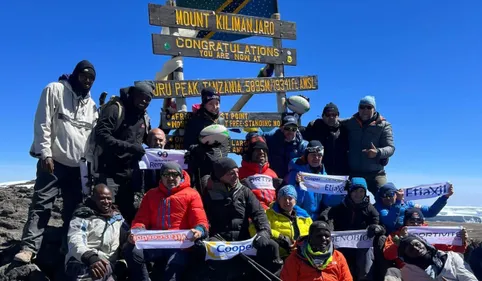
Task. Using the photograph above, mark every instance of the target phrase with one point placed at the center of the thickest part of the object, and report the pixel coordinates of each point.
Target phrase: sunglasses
(388, 195)
(331, 115)
(315, 149)
(291, 129)
(366, 107)
(173, 175)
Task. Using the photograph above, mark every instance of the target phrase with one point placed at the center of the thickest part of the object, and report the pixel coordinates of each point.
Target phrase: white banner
(260, 182)
(323, 184)
(446, 235)
(217, 250)
(426, 191)
(351, 239)
(154, 158)
(162, 239)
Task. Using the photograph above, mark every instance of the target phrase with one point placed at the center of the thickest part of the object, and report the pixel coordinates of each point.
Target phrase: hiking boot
(24, 256)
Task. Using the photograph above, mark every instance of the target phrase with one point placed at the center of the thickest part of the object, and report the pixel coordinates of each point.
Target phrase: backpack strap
(120, 115)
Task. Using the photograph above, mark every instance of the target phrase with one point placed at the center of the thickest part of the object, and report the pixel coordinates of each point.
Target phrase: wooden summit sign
(220, 22)
(231, 119)
(241, 86)
(177, 142)
(221, 50)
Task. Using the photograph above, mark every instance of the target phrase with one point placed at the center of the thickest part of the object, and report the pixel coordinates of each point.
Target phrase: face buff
(319, 260)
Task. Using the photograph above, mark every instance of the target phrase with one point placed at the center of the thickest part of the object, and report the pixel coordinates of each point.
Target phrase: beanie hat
(84, 67)
(412, 213)
(288, 190)
(356, 183)
(171, 165)
(317, 226)
(368, 100)
(313, 146)
(208, 94)
(144, 87)
(289, 120)
(222, 166)
(331, 107)
(252, 143)
(386, 188)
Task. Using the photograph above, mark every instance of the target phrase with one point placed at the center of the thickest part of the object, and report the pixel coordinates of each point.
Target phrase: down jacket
(361, 135)
(297, 268)
(92, 234)
(178, 208)
(266, 193)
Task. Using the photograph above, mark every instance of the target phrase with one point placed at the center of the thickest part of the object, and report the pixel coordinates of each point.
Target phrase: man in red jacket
(173, 205)
(255, 172)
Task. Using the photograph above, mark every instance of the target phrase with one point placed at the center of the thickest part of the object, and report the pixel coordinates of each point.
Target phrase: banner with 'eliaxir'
(323, 184)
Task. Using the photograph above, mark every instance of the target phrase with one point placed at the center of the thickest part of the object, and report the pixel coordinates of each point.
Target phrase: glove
(261, 240)
(284, 242)
(137, 150)
(375, 230)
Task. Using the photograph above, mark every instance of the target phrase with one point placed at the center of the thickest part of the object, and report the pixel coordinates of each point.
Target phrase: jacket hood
(298, 210)
(384, 189)
(69, 87)
(255, 167)
(377, 118)
(185, 183)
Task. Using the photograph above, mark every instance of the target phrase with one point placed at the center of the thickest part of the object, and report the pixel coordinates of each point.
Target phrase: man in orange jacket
(316, 259)
(173, 205)
(414, 217)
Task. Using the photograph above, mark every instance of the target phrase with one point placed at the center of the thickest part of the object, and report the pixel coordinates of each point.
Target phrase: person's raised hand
(451, 191)
(195, 234)
(400, 194)
(299, 178)
(372, 152)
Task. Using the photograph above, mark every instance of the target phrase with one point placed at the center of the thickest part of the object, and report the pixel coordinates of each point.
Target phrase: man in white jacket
(64, 120)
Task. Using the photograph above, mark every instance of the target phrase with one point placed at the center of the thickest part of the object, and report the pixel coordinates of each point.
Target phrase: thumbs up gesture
(372, 152)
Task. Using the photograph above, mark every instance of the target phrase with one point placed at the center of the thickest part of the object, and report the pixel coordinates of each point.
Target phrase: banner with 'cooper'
(323, 184)
(223, 250)
(155, 157)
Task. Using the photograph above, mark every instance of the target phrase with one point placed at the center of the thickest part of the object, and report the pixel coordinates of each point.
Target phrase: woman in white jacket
(424, 262)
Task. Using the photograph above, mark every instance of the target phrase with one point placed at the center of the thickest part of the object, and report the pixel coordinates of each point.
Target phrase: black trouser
(64, 180)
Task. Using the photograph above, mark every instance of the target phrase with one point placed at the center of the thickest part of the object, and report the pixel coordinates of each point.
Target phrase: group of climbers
(216, 200)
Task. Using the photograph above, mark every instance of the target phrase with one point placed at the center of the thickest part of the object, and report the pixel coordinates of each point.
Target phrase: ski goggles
(315, 149)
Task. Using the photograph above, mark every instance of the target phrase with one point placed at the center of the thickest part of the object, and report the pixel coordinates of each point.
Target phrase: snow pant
(78, 271)
(64, 180)
(360, 262)
(374, 180)
(136, 262)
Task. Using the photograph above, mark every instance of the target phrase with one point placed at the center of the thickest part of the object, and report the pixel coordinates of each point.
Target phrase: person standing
(64, 120)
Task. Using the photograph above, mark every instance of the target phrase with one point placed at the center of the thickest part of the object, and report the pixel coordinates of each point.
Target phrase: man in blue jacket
(285, 144)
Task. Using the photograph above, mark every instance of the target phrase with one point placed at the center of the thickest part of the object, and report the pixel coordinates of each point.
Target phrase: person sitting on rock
(315, 258)
(255, 172)
(174, 205)
(391, 206)
(287, 220)
(414, 217)
(96, 231)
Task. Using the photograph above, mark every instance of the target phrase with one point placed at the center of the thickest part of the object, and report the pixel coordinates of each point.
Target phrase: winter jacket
(455, 269)
(297, 268)
(348, 216)
(361, 135)
(293, 227)
(263, 188)
(390, 249)
(230, 211)
(117, 140)
(63, 123)
(335, 144)
(307, 200)
(281, 153)
(92, 234)
(392, 217)
(200, 120)
(178, 208)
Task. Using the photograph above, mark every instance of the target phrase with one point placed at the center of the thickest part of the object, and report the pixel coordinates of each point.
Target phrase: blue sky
(421, 59)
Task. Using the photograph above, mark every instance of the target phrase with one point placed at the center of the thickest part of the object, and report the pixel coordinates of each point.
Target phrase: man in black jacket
(230, 206)
(122, 128)
(328, 131)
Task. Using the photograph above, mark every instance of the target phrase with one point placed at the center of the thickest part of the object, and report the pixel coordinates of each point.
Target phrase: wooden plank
(176, 142)
(239, 86)
(231, 119)
(220, 22)
(221, 50)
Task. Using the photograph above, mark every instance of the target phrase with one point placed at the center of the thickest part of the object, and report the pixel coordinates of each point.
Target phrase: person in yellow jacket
(288, 221)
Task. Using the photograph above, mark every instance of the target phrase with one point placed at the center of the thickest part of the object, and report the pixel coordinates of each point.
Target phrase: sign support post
(279, 70)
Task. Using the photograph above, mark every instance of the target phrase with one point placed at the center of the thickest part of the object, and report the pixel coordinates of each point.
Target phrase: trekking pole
(253, 263)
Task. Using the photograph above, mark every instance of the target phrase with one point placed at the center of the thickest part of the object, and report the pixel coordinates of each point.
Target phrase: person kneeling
(315, 258)
(173, 205)
(94, 236)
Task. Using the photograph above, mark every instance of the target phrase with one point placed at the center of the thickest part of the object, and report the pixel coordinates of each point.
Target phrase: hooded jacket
(231, 211)
(281, 152)
(91, 234)
(392, 216)
(307, 200)
(117, 139)
(178, 208)
(361, 135)
(297, 268)
(351, 216)
(63, 123)
(335, 144)
(266, 193)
